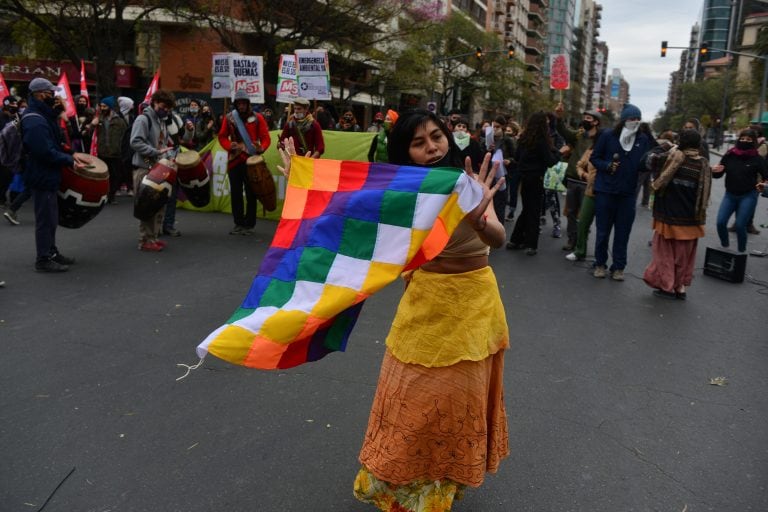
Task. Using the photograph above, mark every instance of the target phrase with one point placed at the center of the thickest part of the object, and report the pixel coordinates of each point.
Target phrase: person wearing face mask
(42, 140)
(618, 158)
(306, 133)
(110, 131)
(468, 147)
(578, 141)
(376, 125)
(198, 126)
(378, 149)
(348, 123)
(444, 352)
(269, 118)
(9, 114)
(231, 139)
(150, 142)
(745, 176)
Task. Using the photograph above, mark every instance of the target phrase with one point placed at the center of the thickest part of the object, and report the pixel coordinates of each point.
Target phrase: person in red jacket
(306, 132)
(239, 151)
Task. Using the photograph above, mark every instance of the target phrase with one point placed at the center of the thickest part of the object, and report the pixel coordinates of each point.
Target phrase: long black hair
(401, 135)
(535, 130)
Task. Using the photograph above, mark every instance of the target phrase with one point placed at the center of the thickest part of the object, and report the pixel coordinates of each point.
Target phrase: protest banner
(313, 74)
(221, 79)
(247, 75)
(287, 88)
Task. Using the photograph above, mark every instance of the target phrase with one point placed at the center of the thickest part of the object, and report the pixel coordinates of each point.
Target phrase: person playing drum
(149, 140)
(238, 125)
(45, 159)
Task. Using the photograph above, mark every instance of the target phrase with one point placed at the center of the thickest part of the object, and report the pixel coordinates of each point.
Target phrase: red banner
(4, 91)
(559, 71)
(83, 84)
(153, 87)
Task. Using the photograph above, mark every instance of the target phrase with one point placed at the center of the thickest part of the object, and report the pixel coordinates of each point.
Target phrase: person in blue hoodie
(45, 158)
(618, 157)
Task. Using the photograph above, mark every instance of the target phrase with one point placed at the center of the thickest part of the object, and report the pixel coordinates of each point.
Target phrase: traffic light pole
(705, 48)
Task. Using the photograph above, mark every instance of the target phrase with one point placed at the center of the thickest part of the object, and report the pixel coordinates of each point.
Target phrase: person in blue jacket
(44, 159)
(618, 157)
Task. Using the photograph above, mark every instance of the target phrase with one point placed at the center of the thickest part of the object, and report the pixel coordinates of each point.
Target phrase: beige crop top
(464, 243)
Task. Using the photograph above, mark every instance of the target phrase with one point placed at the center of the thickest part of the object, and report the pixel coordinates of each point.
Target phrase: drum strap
(249, 147)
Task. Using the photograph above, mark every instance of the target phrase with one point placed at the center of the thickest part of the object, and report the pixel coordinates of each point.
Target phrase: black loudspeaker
(725, 265)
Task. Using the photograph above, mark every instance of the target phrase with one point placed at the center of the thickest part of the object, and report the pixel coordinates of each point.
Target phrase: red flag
(66, 95)
(95, 141)
(3, 88)
(153, 87)
(83, 85)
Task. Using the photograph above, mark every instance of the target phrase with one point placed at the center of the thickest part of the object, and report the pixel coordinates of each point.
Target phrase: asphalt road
(607, 387)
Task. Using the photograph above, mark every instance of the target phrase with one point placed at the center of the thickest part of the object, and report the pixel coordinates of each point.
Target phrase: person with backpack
(243, 133)
(44, 159)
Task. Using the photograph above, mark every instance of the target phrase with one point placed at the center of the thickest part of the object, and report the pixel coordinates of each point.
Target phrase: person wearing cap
(150, 142)
(578, 142)
(618, 157)
(376, 125)
(42, 140)
(230, 138)
(304, 130)
(110, 128)
(378, 149)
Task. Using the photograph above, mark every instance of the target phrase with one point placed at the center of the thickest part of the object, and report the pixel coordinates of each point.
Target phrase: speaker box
(725, 265)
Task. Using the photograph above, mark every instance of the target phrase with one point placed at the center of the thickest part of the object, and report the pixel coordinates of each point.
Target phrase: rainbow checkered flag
(347, 230)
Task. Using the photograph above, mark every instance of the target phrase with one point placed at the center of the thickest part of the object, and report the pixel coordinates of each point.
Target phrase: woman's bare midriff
(455, 265)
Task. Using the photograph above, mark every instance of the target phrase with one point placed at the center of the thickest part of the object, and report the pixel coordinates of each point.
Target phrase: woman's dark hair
(690, 139)
(462, 120)
(535, 130)
(500, 120)
(399, 139)
(749, 132)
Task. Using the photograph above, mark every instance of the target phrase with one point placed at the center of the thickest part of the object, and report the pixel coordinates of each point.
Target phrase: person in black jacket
(468, 146)
(745, 173)
(535, 153)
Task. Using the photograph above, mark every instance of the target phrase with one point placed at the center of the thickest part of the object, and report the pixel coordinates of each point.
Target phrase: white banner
(287, 87)
(247, 75)
(313, 74)
(221, 81)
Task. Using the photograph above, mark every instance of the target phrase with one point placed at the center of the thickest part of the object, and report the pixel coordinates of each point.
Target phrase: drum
(193, 178)
(83, 192)
(154, 190)
(261, 182)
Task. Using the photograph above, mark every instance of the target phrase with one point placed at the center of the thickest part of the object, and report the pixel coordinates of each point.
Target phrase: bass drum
(261, 182)
(154, 190)
(193, 178)
(83, 191)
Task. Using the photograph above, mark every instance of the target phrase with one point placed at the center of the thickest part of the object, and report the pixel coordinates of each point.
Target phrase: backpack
(11, 144)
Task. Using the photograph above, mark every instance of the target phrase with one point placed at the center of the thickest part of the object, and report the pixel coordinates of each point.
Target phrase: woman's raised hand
(286, 153)
(485, 179)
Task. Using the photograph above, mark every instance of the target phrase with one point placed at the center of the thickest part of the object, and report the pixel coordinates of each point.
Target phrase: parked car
(730, 138)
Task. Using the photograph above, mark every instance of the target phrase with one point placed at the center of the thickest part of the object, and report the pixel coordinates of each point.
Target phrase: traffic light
(663, 48)
(704, 51)
(511, 53)
(479, 52)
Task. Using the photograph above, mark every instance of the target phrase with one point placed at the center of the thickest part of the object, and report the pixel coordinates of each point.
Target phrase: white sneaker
(10, 216)
(571, 257)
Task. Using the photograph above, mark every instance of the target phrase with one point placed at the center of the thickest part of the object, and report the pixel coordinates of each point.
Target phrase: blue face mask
(161, 113)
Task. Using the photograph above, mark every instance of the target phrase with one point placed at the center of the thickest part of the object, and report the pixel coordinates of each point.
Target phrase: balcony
(536, 12)
(534, 46)
(533, 63)
(536, 30)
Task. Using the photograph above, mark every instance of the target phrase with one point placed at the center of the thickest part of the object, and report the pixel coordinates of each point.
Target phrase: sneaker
(150, 247)
(556, 232)
(171, 232)
(531, 251)
(513, 246)
(50, 266)
(574, 257)
(752, 230)
(236, 230)
(11, 217)
(617, 275)
(664, 295)
(600, 272)
(62, 260)
(247, 231)
(569, 246)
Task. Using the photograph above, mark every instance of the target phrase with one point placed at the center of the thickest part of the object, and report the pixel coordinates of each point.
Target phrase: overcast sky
(633, 31)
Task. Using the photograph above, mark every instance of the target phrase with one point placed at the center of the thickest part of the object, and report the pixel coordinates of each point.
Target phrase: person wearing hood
(42, 140)
(126, 153)
(377, 124)
(745, 176)
(150, 142)
(306, 133)
(111, 128)
(618, 157)
(231, 139)
(378, 149)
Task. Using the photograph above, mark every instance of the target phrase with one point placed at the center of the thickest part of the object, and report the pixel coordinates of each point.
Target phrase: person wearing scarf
(306, 133)
(468, 147)
(679, 213)
(618, 157)
(378, 149)
(743, 169)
